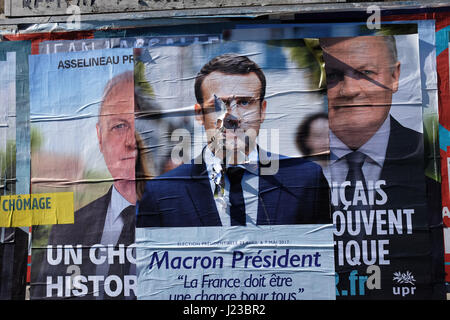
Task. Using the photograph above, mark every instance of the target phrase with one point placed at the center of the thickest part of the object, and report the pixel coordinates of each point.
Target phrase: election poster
(82, 113)
(7, 117)
(377, 176)
(444, 140)
(438, 223)
(7, 165)
(228, 210)
(294, 169)
(379, 209)
(55, 46)
(429, 114)
(47, 35)
(14, 130)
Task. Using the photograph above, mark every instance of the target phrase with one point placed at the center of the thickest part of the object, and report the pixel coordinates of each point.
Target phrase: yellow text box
(24, 210)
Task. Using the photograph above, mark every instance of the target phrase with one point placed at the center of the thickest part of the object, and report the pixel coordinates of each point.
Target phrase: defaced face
(237, 124)
(115, 132)
(361, 78)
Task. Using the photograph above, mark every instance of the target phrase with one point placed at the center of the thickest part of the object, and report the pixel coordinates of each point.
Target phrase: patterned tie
(237, 209)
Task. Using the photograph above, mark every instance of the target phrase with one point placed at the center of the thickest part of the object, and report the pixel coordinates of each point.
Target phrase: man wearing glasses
(234, 182)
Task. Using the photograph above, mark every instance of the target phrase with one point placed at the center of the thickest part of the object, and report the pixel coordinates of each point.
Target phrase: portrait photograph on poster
(236, 154)
(374, 166)
(228, 197)
(82, 110)
(286, 169)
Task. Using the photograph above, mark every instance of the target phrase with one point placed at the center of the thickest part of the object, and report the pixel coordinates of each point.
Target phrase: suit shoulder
(297, 162)
(182, 170)
(404, 132)
(83, 217)
(298, 170)
(93, 206)
(170, 180)
(404, 141)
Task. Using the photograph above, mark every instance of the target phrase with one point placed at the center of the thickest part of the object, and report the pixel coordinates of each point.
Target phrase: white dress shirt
(113, 222)
(249, 183)
(374, 149)
(111, 230)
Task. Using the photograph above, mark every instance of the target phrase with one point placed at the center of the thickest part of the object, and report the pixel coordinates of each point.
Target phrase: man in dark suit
(376, 166)
(110, 219)
(234, 182)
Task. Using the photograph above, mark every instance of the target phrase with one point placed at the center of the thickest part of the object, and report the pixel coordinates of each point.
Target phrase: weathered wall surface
(16, 8)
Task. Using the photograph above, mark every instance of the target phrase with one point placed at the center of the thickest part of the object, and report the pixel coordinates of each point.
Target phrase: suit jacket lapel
(397, 153)
(199, 191)
(95, 226)
(269, 192)
(203, 200)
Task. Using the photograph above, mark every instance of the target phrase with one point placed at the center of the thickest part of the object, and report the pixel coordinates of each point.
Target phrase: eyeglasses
(239, 102)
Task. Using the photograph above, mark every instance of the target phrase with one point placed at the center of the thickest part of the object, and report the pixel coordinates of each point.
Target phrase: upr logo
(406, 283)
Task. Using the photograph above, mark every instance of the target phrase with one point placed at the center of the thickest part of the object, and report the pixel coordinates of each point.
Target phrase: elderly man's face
(361, 79)
(115, 132)
(242, 111)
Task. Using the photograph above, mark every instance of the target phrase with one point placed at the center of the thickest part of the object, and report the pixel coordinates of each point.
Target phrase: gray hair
(121, 79)
(389, 40)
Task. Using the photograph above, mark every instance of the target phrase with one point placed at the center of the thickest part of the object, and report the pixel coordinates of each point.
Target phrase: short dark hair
(229, 63)
(303, 132)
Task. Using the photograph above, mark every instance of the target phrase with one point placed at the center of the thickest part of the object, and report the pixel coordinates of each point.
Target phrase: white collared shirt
(374, 149)
(249, 183)
(112, 229)
(113, 222)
